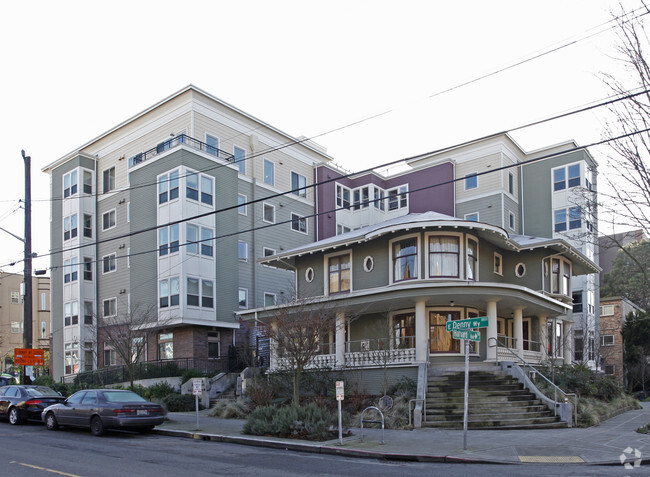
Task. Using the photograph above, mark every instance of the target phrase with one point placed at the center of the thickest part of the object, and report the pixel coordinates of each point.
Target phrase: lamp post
(27, 304)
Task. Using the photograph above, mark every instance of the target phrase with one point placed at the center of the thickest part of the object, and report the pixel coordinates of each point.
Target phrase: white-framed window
(69, 184)
(109, 307)
(166, 346)
(88, 269)
(398, 198)
(405, 258)
(566, 177)
(71, 313)
(511, 183)
(574, 219)
(44, 301)
(88, 226)
(207, 245)
(207, 189)
(200, 293)
(109, 219)
(71, 356)
(473, 217)
(342, 196)
(498, 263)
(169, 292)
(339, 270)
(70, 270)
(606, 340)
(378, 198)
(240, 159)
(242, 251)
(243, 298)
(88, 312)
(168, 187)
(268, 252)
(241, 202)
(70, 227)
(214, 344)
(269, 172)
(192, 297)
(342, 229)
(109, 263)
(88, 182)
(43, 329)
(108, 177)
(606, 310)
(192, 237)
(472, 258)
(207, 294)
(298, 223)
(15, 297)
(16, 327)
(269, 299)
(560, 268)
(511, 221)
(212, 145)
(192, 185)
(471, 181)
(444, 251)
(269, 213)
(298, 181)
(168, 240)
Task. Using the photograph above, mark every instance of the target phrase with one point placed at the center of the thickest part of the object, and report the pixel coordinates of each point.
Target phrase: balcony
(181, 139)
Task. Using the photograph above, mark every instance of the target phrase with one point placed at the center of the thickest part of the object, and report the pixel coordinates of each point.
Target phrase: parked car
(102, 409)
(21, 402)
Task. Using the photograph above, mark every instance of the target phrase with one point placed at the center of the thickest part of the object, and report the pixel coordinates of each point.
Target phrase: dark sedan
(102, 409)
(21, 402)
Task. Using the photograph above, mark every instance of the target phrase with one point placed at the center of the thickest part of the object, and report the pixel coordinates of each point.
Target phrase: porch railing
(508, 345)
(177, 141)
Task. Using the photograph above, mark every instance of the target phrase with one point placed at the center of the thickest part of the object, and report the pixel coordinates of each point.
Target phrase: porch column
(273, 350)
(568, 342)
(340, 339)
(491, 352)
(518, 330)
(421, 332)
(543, 338)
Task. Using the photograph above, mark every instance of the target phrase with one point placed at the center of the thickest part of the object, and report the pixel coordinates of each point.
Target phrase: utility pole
(28, 322)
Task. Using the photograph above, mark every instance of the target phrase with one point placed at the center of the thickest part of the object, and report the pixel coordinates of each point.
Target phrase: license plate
(143, 412)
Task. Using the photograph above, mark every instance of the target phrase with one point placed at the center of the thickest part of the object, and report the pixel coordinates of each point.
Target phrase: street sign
(197, 386)
(468, 324)
(29, 357)
(466, 335)
(339, 391)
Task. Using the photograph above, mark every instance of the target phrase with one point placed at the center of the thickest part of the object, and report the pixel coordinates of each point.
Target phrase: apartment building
(169, 212)
(11, 315)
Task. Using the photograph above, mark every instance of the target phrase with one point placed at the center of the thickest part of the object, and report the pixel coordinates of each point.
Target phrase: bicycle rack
(373, 421)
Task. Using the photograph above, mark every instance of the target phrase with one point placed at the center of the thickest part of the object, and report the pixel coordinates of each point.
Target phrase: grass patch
(229, 409)
(592, 411)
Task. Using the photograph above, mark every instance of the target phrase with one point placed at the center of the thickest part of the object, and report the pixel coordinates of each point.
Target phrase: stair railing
(493, 342)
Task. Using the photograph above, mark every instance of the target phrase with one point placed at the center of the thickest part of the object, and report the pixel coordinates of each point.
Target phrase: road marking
(550, 459)
(45, 469)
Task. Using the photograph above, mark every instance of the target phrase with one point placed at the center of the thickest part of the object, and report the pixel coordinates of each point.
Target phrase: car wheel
(51, 422)
(97, 426)
(14, 417)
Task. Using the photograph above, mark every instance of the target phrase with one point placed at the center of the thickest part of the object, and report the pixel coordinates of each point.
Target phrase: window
(88, 182)
(378, 198)
(192, 186)
(511, 183)
(70, 184)
(342, 229)
(88, 269)
(71, 313)
(360, 198)
(444, 254)
(212, 145)
(207, 294)
(243, 298)
(498, 263)
(240, 159)
(575, 218)
(471, 181)
(88, 226)
(405, 259)
(206, 189)
(192, 233)
(397, 198)
(472, 259)
(560, 276)
(169, 292)
(109, 180)
(163, 189)
(70, 227)
(511, 220)
(269, 172)
(207, 248)
(16, 327)
(610, 369)
(269, 299)
(607, 340)
(168, 240)
(404, 331)
(298, 223)
(606, 310)
(298, 182)
(88, 312)
(268, 252)
(192, 292)
(214, 345)
(109, 263)
(577, 302)
(110, 307)
(72, 362)
(70, 270)
(578, 346)
(44, 301)
(15, 297)
(559, 179)
(342, 196)
(473, 217)
(173, 185)
(559, 217)
(242, 251)
(339, 274)
(574, 175)
(88, 359)
(269, 213)
(241, 202)
(166, 346)
(43, 329)
(108, 220)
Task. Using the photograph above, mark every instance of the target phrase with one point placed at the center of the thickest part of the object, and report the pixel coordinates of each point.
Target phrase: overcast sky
(74, 69)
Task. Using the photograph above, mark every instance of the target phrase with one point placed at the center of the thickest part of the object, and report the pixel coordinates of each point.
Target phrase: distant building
(609, 246)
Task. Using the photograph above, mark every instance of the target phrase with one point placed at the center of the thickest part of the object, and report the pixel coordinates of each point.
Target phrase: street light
(27, 304)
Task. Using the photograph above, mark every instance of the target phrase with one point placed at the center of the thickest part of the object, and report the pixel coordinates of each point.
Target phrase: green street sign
(468, 324)
(466, 335)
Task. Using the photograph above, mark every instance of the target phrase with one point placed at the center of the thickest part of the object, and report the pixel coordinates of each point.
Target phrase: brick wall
(610, 332)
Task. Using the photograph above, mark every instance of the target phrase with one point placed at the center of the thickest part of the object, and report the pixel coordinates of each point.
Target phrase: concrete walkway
(602, 444)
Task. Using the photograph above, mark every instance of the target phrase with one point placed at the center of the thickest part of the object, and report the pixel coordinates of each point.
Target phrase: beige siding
(486, 183)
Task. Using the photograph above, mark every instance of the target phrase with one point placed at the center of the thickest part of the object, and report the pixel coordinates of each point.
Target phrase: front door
(439, 338)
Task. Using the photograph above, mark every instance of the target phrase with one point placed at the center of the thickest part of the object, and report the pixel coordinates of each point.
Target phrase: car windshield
(122, 396)
(41, 391)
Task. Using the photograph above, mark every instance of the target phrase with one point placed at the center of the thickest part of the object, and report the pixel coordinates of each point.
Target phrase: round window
(520, 270)
(309, 274)
(368, 263)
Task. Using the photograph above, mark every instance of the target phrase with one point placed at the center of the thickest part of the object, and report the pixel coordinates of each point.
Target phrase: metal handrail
(424, 408)
(555, 387)
(176, 141)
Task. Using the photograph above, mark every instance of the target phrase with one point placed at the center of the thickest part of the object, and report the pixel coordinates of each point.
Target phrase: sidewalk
(602, 444)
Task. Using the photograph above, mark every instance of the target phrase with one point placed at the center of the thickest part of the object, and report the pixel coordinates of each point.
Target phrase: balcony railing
(181, 139)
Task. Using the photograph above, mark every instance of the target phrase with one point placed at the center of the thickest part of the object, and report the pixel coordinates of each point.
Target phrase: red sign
(29, 357)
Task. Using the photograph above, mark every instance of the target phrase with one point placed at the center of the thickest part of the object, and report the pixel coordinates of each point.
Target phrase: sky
(74, 69)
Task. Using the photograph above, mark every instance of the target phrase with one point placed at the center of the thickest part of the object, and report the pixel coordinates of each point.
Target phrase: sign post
(197, 389)
(340, 395)
(464, 330)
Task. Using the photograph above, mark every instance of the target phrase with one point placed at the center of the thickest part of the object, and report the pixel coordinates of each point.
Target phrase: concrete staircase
(496, 401)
